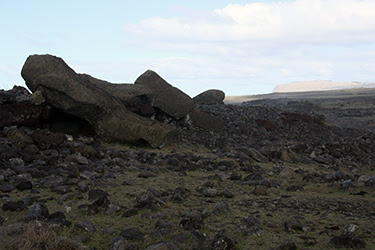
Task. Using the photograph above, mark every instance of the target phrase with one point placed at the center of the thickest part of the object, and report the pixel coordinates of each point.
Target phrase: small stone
(24, 185)
(119, 243)
(210, 192)
(14, 206)
(294, 223)
(226, 194)
(235, 176)
(251, 226)
(221, 207)
(181, 238)
(222, 241)
(288, 246)
(160, 224)
(82, 186)
(6, 188)
(59, 218)
(260, 190)
(38, 211)
(130, 212)
(96, 194)
(294, 188)
(132, 234)
(146, 175)
(86, 225)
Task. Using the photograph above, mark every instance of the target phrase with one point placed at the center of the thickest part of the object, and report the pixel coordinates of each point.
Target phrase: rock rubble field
(87, 164)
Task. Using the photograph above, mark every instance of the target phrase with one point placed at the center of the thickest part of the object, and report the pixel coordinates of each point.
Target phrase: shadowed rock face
(77, 95)
(167, 98)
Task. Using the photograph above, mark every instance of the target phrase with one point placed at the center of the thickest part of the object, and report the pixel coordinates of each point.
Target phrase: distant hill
(319, 86)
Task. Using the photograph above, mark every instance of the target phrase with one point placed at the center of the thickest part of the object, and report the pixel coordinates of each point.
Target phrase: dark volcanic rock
(14, 206)
(251, 225)
(206, 121)
(86, 226)
(166, 98)
(38, 211)
(222, 241)
(211, 96)
(96, 194)
(132, 234)
(22, 114)
(70, 92)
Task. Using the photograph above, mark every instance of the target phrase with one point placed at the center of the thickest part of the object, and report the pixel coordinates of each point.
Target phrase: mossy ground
(326, 208)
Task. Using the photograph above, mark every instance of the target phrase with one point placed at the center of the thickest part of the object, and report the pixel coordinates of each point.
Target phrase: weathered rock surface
(206, 120)
(134, 97)
(211, 96)
(70, 92)
(167, 98)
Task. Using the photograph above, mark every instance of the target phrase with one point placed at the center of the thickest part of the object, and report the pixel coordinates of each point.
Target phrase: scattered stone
(251, 226)
(260, 190)
(181, 238)
(148, 201)
(59, 218)
(119, 243)
(146, 175)
(14, 206)
(6, 188)
(132, 234)
(24, 185)
(348, 239)
(235, 176)
(210, 192)
(161, 224)
(221, 207)
(200, 240)
(130, 212)
(38, 211)
(192, 220)
(86, 226)
(222, 241)
(96, 194)
(294, 223)
(289, 245)
(294, 188)
(226, 194)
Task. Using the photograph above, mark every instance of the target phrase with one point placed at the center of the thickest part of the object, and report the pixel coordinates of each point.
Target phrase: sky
(241, 47)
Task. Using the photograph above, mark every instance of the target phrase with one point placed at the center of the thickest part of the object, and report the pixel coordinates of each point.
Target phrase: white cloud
(300, 21)
(259, 45)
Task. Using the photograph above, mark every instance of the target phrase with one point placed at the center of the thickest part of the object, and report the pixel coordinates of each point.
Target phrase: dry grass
(35, 235)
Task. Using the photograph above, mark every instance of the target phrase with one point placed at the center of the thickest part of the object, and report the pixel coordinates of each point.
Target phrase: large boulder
(68, 91)
(166, 98)
(211, 96)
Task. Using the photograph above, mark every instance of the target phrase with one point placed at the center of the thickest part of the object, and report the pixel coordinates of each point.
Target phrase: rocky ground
(271, 179)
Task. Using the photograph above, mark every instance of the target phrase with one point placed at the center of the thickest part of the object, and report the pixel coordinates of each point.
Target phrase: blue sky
(241, 47)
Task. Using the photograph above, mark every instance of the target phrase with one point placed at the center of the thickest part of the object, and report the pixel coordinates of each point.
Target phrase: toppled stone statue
(77, 95)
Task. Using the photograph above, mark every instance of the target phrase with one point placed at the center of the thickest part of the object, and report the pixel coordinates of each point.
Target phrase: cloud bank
(264, 43)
